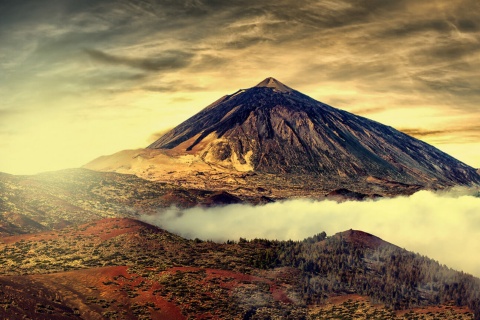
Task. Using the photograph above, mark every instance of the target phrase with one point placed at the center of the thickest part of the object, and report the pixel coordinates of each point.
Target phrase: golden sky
(80, 79)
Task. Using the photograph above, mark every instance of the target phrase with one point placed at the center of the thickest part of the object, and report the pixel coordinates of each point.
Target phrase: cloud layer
(443, 226)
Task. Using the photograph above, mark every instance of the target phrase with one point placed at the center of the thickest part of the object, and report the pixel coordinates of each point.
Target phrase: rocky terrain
(67, 251)
(125, 269)
(57, 199)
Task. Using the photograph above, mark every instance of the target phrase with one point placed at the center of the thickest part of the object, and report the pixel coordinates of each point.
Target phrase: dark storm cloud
(168, 60)
(307, 16)
(197, 22)
(27, 12)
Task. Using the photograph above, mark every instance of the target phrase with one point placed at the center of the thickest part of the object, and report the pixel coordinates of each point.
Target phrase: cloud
(246, 41)
(167, 60)
(174, 86)
(443, 226)
(417, 132)
(465, 134)
(365, 111)
(452, 50)
(371, 70)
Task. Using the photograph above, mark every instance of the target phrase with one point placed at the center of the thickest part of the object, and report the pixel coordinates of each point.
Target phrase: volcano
(272, 128)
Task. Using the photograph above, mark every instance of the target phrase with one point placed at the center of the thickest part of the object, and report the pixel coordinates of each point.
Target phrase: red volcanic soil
(107, 292)
(101, 229)
(92, 294)
(116, 283)
(110, 228)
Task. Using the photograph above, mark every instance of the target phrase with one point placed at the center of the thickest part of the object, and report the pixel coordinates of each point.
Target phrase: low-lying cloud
(442, 226)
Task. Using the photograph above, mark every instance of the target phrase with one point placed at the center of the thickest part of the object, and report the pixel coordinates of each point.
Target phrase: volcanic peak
(273, 129)
(274, 84)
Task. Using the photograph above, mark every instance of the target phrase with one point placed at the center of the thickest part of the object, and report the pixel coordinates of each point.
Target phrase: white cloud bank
(442, 226)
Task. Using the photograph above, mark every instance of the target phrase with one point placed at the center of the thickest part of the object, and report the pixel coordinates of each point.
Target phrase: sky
(81, 79)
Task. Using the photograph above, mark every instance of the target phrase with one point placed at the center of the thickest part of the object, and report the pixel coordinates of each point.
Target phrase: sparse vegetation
(153, 270)
(30, 204)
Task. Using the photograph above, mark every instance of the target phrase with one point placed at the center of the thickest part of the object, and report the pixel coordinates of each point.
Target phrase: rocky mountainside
(272, 128)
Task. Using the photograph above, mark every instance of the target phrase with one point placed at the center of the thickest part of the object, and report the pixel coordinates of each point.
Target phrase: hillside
(71, 244)
(123, 268)
(68, 197)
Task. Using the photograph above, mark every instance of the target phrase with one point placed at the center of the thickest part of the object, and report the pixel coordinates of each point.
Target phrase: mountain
(274, 130)
(123, 268)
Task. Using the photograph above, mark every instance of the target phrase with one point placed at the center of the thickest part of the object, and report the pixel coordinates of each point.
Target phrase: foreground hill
(126, 269)
(274, 131)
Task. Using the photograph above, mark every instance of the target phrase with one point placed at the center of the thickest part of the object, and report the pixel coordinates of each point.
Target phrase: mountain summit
(274, 84)
(273, 129)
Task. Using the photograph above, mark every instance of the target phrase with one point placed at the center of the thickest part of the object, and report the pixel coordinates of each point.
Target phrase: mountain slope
(114, 267)
(272, 128)
(56, 199)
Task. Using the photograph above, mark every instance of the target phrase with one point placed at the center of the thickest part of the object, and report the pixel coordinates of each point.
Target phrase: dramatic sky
(83, 78)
